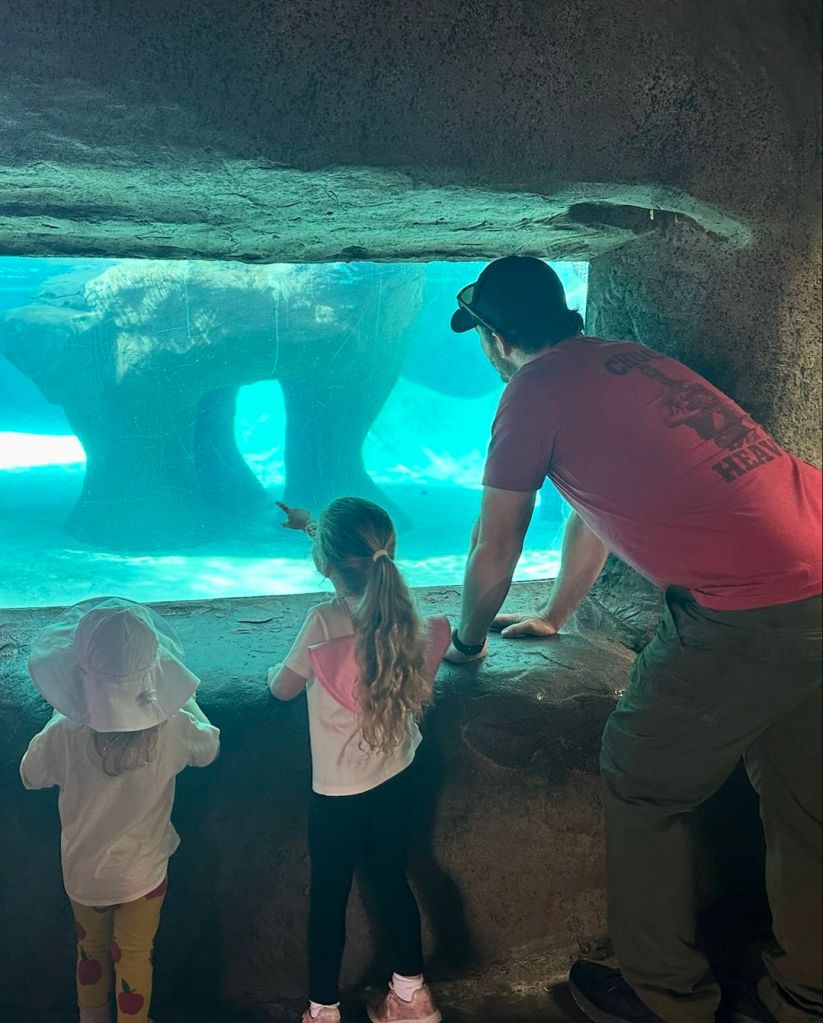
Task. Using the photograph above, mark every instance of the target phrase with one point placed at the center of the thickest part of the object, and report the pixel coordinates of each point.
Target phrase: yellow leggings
(114, 945)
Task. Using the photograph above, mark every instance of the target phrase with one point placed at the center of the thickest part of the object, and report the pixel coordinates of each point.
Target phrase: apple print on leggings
(89, 971)
(129, 1002)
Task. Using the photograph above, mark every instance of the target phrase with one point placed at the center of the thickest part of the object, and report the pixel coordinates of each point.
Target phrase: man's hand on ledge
(453, 655)
(521, 626)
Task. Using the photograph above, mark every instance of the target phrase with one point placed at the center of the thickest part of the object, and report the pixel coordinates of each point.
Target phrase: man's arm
(497, 541)
(582, 559)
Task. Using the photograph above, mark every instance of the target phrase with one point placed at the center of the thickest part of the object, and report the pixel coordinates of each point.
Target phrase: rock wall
(675, 144)
(510, 764)
(265, 129)
(340, 129)
(748, 319)
(508, 860)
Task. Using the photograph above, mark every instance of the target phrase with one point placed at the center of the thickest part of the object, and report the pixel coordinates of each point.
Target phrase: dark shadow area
(33, 905)
(438, 892)
(735, 921)
(438, 895)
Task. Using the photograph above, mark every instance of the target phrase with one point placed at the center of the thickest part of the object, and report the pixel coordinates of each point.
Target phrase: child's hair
(356, 539)
(119, 752)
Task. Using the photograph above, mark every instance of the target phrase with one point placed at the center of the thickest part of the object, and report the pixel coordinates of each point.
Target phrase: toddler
(125, 725)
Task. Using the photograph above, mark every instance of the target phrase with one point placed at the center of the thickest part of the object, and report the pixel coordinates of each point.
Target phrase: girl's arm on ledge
(285, 683)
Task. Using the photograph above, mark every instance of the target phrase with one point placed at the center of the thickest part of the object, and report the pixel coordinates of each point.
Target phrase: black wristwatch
(468, 650)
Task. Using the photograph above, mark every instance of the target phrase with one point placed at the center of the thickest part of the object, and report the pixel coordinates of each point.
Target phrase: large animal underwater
(152, 412)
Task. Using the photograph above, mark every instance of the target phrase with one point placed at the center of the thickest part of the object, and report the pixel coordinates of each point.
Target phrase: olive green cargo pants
(712, 687)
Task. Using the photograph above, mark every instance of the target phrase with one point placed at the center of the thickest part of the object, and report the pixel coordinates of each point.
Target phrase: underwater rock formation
(22, 406)
(147, 358)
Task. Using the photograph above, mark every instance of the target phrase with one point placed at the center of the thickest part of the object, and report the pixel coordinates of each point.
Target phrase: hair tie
(382, 553)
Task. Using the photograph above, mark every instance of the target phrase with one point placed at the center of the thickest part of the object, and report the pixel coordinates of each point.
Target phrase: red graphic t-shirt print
(666, 469)
(694, 405)
(704, 410)
(690, 404)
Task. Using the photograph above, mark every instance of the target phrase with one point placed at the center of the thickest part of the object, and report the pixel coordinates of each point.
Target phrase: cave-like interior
(674, 148)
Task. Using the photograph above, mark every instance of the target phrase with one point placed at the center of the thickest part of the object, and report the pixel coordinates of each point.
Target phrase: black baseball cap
(516, 296)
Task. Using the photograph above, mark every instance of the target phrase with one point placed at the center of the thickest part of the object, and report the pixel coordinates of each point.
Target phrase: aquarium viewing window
(151, 412)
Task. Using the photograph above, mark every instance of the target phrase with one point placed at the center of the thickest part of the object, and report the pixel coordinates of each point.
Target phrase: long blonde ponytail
(356, 539)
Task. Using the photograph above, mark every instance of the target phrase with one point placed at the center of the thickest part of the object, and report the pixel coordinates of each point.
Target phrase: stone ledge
(230, 643)
(508, 858)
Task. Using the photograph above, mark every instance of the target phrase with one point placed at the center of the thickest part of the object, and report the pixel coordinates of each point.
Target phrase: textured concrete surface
(484, 999)
(315, 130)
(508, 863)
(748, 319)
(508, 859)
(675, 144)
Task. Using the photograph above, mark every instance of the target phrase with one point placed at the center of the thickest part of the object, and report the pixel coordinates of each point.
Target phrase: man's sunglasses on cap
(465, 298)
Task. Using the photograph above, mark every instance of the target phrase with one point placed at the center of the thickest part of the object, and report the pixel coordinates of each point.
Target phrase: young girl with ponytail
(367, 661)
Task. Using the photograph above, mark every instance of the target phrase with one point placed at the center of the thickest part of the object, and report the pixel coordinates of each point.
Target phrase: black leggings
(374, 826)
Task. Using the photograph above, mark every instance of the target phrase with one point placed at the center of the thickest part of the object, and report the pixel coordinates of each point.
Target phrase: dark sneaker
(603, 995)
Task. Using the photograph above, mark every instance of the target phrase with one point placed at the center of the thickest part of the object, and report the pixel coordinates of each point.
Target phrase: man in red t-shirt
(673, 477)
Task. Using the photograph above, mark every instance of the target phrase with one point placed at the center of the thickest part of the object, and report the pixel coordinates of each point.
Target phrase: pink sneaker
(326, 1016)
(392, 1009)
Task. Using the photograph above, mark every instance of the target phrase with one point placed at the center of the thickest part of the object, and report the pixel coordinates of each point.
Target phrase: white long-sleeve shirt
(117, 834)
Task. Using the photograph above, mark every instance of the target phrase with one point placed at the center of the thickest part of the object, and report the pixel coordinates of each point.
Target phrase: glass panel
(151, 413)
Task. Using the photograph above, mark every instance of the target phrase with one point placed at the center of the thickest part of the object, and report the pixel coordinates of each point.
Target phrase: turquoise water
(175, 374)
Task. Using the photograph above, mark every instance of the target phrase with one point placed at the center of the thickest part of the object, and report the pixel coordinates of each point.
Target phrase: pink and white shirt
(324, 654)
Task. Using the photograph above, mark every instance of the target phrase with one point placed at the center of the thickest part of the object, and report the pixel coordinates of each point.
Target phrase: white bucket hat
(113, 665)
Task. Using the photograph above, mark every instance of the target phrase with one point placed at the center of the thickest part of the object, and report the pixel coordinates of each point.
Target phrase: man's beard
(503, 367)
